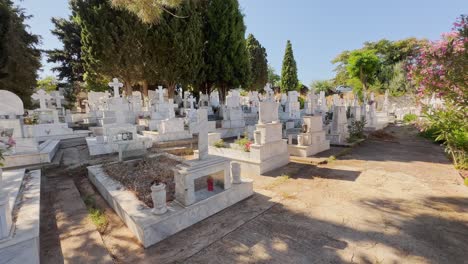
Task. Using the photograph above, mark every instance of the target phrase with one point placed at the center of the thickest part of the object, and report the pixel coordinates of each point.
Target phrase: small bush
(356, 130)
(219, 144)
(410, 118)
(245, 143)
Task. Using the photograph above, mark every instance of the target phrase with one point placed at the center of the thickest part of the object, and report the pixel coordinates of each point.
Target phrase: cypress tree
(175, 47)
(226, 58)
(70, 65)
(289, 81)
(258, 64)
(112, 43)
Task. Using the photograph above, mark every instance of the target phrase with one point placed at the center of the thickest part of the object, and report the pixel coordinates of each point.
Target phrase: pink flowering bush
(441, 68)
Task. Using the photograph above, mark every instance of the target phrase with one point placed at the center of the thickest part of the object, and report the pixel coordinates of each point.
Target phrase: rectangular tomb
(193, 202)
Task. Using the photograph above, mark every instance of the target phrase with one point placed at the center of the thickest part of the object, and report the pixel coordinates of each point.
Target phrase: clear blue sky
(318, 29)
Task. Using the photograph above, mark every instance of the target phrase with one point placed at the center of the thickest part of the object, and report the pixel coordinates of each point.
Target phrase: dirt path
(397, 201)
(393, 201)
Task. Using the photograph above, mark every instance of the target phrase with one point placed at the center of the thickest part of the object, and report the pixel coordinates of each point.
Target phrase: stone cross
(58, 99)
(116, 85)
(191, 100)
(160, 92)
(42, 96)
(202, 133)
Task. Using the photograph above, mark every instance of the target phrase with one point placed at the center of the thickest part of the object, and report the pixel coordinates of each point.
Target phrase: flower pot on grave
(158, 195)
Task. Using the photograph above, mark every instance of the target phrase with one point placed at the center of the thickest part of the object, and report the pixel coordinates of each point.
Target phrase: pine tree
(112, 43)
(23, 57)
(258, 64)
(289, 81)
(225, 55)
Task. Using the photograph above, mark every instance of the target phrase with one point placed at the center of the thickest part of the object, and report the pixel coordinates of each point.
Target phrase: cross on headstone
(116, 85)
(42, 96)
(58, 99)
(160, 92)
(191, 100)
(202, 124)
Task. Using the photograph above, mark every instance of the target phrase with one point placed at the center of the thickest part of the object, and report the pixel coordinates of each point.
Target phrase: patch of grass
(278, 181)
(410, 118)
(339, 154)
(96, 215)
(219, 144)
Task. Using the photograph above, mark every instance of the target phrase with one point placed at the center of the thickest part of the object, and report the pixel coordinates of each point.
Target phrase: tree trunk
(144, 88)
(222, 93)
(171, 90)
(128, 88)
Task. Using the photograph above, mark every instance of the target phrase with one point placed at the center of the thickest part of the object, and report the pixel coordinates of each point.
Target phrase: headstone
(42, 97)
(116, 85)
(10, 103)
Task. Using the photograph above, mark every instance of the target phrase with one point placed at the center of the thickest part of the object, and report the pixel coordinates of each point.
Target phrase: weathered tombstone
(42, 97)
(116, 85)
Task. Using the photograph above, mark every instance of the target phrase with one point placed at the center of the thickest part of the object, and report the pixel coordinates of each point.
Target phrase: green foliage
(70, 65)
(466, 182)
(410, 118)
(244, 143)
(111, 42)
(390, 73)
(289, 80)
(4, 26)
(356, 130)
(450, 126)
(398, 84)
(1, 158)
(301, 101)
(174, 48)
(149, 11)
(363, 65)
(48, 83)
(258, 64)
(323, 85)
(19, 55)
(273, 78)
(225, 54)
(220, 144)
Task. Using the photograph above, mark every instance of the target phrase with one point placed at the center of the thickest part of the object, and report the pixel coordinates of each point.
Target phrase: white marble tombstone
(116, 85)
(42, 97)
(10, 103)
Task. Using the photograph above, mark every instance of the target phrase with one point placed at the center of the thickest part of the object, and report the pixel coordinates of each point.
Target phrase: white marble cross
(202, 133)
(160, 92)
(58, 99)
(116, 85)
(191, 100)
(42, 96)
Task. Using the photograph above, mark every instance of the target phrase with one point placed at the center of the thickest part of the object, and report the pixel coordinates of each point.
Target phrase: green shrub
(466, 182)
(410, 118)
(301, 102)
(356, 130)
(219, 144)
(245, 143)
(449, 126)
(1, 158)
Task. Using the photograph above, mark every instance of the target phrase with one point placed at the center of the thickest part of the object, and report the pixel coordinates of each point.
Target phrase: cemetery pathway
(391, 200)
